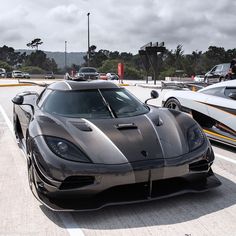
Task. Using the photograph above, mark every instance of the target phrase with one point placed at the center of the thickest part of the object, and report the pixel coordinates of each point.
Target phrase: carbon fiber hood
(160, 134)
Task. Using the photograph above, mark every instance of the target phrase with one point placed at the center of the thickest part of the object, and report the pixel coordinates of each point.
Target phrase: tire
(30, 176)
(16, 128)
(174, 104)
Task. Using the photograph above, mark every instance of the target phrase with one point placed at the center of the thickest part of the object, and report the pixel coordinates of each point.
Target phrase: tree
(8, 55)
(214, 55)
(5, 65)
(178, 54)
(39, 59)
(35, 43)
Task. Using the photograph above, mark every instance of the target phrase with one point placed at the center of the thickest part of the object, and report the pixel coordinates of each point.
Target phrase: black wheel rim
(173, 105)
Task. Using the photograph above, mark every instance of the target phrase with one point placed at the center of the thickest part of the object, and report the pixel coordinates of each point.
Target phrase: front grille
(73, 182)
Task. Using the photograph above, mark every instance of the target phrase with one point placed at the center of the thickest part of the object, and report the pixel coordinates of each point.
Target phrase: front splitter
(133, 193)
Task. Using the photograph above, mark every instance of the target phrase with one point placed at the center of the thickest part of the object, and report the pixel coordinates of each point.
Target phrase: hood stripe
(154, 128)
(94, 127)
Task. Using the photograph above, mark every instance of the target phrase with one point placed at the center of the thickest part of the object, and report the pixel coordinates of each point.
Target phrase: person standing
(232, 69)
(233, 72)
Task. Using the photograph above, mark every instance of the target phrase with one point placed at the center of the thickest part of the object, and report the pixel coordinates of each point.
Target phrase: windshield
(87, 70)
(94, 104)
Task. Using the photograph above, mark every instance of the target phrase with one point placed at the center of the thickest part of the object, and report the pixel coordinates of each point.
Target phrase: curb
(149, 86)
(15, 85)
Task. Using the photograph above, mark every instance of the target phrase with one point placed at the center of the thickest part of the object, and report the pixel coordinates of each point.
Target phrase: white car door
(221, 107)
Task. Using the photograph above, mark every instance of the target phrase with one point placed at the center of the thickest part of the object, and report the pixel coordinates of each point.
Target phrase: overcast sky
(118, 25)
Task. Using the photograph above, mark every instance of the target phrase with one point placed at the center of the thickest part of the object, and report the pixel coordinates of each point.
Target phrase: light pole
(88, 55)
(65, 55)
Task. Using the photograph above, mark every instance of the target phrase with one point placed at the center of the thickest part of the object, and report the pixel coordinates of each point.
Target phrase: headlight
(65, 149)
(195, 137)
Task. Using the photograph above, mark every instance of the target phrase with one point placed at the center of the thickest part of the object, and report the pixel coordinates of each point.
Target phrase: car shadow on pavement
(182, 208)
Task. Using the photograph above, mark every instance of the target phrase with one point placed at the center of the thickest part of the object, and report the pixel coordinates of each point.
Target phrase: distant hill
(59, 57)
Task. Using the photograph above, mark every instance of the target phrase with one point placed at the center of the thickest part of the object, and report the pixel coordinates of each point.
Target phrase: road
(210, 213)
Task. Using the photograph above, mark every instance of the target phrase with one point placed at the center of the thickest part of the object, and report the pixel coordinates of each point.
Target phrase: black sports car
(92, 144)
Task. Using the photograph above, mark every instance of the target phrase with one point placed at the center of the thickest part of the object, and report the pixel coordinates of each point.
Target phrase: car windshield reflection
(94, 104)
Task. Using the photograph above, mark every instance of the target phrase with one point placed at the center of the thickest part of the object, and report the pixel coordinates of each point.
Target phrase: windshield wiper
(112, 112)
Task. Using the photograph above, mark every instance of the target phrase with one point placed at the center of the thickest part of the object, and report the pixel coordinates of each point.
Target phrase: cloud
(119, 25)
(65, 13)
(14, 25)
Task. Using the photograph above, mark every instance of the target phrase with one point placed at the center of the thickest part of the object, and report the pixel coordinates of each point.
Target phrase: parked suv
(86, 73)
(217, 74)
(49, 75)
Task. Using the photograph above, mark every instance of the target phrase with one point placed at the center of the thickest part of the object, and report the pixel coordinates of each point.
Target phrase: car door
(221, 107)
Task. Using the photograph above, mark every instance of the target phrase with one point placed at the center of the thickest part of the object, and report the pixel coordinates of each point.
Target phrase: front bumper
(73, 186)
(130, 193)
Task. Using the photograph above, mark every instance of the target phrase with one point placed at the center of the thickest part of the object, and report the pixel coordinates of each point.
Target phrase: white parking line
(66, 218)
(9, 123)
(225, 158)
(70, 224)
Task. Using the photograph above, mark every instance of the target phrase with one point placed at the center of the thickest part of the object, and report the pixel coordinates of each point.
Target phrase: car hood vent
(82, 126)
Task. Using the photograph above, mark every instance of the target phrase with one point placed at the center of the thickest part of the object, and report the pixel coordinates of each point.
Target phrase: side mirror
(154, 94)
(18, 100)
(232, 96)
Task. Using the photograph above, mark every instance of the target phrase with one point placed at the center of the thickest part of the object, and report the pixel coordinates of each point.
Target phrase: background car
(199, 78)
(87, 73)
(26, 75)
(8, 74)
(217, 74)
(213, 107)
(17, 74)
(2, 72)
(93, 144)
(103, 76)
(49, 75)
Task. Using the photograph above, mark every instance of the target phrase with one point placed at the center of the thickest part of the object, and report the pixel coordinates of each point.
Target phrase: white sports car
(213, 107)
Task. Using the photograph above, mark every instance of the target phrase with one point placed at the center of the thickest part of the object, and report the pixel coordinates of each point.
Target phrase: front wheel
(30, 169)
(173, 104)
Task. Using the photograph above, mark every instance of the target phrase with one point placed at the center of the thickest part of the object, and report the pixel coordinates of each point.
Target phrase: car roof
(228, 83)
(69, 85)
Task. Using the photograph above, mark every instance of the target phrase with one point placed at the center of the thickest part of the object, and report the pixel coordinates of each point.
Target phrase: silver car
(217, 74)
